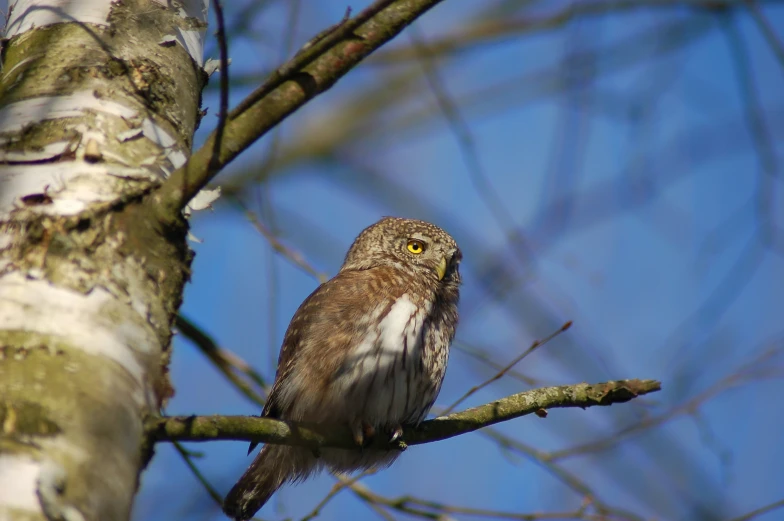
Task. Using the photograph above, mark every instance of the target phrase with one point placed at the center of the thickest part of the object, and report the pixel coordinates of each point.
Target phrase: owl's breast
(392, 375)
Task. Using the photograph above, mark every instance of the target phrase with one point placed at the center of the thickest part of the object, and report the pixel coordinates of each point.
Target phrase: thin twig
(264, 201)
(343, 482)
(767, 30)
(747, 373)
(245, 368)
(758, 512)
(468, 150)
(758, 127)
(293, 256)
(186, 457)
(483, 31)
(224, 360)
(436, 510)
(223, 111)
(565, 476)
(358, 489)
(505, 369)
(482, 356)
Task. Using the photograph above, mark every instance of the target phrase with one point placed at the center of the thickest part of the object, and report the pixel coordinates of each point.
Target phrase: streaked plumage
(368, 348)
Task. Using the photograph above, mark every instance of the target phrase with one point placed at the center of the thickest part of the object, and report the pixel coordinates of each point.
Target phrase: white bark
(97, 105)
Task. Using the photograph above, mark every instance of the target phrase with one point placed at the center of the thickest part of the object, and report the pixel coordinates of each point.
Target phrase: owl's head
(409, 245)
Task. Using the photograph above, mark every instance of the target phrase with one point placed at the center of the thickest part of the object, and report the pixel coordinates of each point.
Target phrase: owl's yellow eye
(415, 246)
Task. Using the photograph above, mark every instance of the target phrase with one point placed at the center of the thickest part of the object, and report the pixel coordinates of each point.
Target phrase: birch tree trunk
(99, 100)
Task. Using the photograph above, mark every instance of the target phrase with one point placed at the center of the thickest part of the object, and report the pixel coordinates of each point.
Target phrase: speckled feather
(368, 347)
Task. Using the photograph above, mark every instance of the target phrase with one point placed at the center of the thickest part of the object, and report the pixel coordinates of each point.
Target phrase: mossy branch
(265, 430)
(322, 62)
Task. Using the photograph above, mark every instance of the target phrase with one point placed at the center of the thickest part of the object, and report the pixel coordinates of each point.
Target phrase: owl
(367, 349)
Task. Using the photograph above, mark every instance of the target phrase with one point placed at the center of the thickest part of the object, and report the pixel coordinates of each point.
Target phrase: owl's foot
(362, 432)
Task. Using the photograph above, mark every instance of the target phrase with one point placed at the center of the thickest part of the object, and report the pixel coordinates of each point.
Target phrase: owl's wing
(288, 350)
(287, 354)
(327, 315)
(291, 341)
(330, 317)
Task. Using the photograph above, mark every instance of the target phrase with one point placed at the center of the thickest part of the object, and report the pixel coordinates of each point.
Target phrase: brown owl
(368, 348)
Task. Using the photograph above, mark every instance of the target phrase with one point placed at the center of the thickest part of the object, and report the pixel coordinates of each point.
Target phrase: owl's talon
(369, 431)
(395, 433)
(362, 432)
(356, 433)
(316, 453)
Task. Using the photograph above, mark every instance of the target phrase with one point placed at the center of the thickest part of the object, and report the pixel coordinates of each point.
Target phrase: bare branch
(266, 430)
(187, 457)
(767, 30)
(225, 361)
(506, 368)
(289, 254)
(223, 111)
(485, 31)
(312, 71)
(759, 511)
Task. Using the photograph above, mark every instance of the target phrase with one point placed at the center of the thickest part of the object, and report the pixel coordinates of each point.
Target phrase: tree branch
(266, 430)
(322, 62)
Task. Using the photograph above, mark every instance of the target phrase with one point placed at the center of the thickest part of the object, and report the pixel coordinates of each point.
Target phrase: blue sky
(622, 150)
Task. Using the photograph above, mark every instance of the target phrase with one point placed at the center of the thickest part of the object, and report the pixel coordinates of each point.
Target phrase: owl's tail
(273, 466)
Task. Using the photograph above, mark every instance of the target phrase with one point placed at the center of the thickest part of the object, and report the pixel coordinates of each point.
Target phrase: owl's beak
(441, 268)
